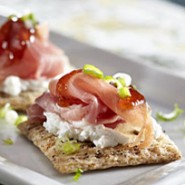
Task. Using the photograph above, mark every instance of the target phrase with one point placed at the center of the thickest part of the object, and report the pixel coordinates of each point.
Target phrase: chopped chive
(113, 81)
(68, 147)
(29, 17)
(21, 119)
(124, 92)
(77, 174)
(122, 81)
(109, 79)
(170, 116)
(93, 71)
(8, 141)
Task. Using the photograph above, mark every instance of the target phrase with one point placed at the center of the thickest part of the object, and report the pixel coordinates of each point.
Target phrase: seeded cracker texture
(89, 157)
(20, 102)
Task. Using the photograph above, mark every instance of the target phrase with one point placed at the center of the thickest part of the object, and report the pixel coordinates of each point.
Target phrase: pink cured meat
(40, 58)
(98, 103)
(132, 110)
(48, 103)
(46, 61)
(81, 86)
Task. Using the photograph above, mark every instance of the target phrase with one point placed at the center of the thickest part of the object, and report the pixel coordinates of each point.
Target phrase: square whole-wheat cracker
(20, 102)
(89, 157)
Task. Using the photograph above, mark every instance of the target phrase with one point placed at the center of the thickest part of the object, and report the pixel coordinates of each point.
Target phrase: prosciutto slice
(28, 53)
(94, 113)
(78, 96)
(79, 87)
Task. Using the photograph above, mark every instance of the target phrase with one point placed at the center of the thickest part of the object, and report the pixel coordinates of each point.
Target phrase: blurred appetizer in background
(90, 121)
(28, 60)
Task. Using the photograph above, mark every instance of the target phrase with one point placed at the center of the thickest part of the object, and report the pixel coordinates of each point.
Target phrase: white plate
(161, 89)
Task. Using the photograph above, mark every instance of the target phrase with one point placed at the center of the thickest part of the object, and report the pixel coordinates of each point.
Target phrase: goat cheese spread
(14, 85)
(100, 135)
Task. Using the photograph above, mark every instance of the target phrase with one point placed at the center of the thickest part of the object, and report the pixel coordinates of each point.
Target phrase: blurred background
(152, 30)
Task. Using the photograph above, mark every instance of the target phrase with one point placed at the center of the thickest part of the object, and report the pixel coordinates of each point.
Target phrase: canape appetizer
(90, 121)
(28, 60)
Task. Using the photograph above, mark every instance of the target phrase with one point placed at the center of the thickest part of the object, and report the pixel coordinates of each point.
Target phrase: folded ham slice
(27, 53)
(78, 96)
(77, 86)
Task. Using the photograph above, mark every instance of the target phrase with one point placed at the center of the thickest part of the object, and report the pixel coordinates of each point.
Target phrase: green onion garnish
(110, 79)
(93, 71)
(170, 116)
(3, 110)
(68, 147)
(123, 91)
(113, 81)
(8, 141)
(21, 119)
(122, 81)
(77, 174)
(29, 17)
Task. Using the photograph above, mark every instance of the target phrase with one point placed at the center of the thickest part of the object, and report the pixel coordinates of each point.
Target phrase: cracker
(20, 102)
(89, 157)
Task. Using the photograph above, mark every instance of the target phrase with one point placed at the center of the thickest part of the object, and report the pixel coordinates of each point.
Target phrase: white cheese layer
(14, 85)
(81, 131)
(100, 135)
(157, 128)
